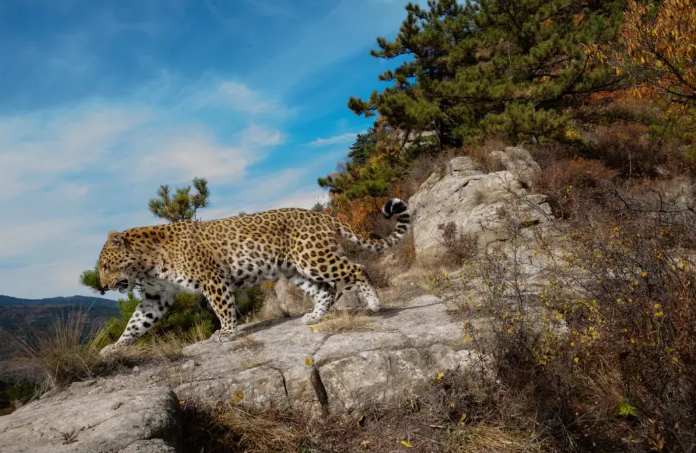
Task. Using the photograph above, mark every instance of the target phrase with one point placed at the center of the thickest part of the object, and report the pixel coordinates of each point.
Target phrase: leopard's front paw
(311, 318)
(223, 336)
(110, 350)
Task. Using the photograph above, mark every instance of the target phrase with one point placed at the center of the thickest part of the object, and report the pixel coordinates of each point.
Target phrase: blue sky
(102, 101)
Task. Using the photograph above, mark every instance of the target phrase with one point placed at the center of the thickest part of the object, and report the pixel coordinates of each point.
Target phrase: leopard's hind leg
(323, 294)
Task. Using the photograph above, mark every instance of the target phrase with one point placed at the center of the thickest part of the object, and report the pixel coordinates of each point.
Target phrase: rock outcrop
(86, 419)
(290, 364)
(279, 363)
(475, 201)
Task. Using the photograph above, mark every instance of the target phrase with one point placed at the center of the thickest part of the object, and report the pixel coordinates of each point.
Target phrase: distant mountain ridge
(78, 301)
(19, 316)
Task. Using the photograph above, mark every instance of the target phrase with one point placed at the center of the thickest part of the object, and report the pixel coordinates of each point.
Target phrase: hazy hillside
(18, 316)
(77, 301)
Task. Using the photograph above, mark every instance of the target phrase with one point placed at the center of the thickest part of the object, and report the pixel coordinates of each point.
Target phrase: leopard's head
(117, 264)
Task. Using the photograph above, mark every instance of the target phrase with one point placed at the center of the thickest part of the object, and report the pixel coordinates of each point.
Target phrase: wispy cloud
(242, 98)
(18, 239)
(38, 149)
(335, 140)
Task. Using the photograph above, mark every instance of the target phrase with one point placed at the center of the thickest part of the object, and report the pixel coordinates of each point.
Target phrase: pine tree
(363, 147)
(90, 279)
(505, 67)
(182, 205)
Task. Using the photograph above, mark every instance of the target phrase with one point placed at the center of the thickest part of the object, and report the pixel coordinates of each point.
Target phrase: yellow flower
(576, 360)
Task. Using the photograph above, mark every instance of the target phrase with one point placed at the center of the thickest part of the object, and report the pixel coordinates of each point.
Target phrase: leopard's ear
(116, 239)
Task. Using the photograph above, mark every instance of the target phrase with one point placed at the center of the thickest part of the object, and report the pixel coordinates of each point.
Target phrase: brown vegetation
(605, 352)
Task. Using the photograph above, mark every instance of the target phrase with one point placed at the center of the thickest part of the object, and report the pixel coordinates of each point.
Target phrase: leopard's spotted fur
(214, 257)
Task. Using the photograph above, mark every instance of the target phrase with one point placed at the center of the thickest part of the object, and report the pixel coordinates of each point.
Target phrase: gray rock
(355, 383)
(461, 164)
(188, 365)
(83, 384)
(77, 422)
(149, 446)
(317, 372)
(474, 201)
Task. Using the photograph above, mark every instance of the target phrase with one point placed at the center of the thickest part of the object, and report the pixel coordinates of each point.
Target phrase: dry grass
(261, 434)
(68, 351)
(61, 354)
(231, 429)
(170, 346)
(458, 246)
(421, 169)
(405, 253)
(249, 342)
(345, 321)
(490, 439)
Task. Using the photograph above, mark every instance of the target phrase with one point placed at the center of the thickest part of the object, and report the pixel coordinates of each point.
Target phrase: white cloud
(183, 158)
(36, 150)
(212, 91)
(21, 238)
(305, 198)
(335, 140)
(240, 97)
(256, 136)
(72, 190)
(178, 157)
(48, 279)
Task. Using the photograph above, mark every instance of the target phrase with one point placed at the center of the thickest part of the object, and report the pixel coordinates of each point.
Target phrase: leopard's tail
(393, 207)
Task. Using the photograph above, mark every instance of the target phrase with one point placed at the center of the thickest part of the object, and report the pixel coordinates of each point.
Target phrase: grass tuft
(345, 321)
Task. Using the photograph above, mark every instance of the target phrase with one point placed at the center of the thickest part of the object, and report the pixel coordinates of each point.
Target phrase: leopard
(214, 258)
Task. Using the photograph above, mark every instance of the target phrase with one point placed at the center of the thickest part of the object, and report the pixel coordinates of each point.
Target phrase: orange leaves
(358, 213)
(663, 41)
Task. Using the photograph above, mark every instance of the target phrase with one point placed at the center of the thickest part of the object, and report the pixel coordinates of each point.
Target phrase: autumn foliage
(359, 213)
(660, 43)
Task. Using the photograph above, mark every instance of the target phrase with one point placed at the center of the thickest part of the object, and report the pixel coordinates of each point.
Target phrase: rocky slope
(281, 363)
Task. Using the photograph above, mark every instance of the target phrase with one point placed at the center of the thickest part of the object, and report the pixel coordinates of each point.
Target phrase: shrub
(605, 348)
(405, 252)
(626, 148)
(248, 302)
(574, 184)
(458, 246)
